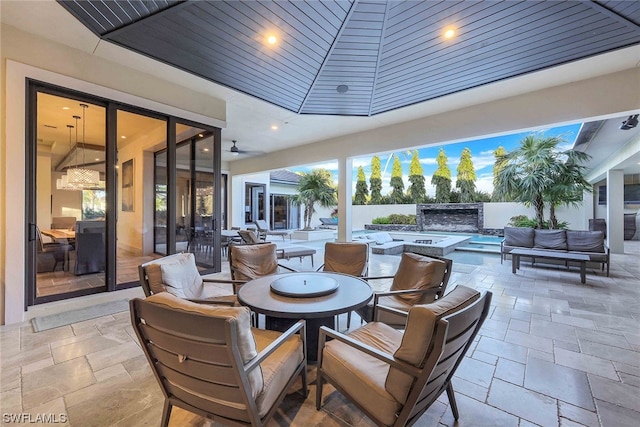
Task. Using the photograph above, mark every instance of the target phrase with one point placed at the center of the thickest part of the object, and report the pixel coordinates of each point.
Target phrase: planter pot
(312, 235)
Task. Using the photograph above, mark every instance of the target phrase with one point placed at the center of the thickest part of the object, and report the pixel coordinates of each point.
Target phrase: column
(615, 210)
(345, 178)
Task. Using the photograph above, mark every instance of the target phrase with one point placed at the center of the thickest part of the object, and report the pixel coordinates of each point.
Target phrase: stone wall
(391, 227)
(456, 217)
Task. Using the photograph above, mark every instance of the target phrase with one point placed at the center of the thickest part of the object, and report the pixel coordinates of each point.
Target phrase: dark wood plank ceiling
(386, 55)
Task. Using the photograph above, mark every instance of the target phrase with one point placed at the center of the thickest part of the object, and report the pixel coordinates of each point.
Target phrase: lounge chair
(264, 230)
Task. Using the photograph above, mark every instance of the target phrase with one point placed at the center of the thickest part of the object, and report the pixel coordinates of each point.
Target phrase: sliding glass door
(137, 136)
(68, 215)
(103, 179)
(198, 203)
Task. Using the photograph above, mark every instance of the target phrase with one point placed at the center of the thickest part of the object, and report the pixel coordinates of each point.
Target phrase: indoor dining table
(316, 297)
(60, 234)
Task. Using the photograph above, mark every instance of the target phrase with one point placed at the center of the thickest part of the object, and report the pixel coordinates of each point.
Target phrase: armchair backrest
(176, 274)
(421, 272)
(248, 262)
(346, 258)
(435, 341)
(197, 353)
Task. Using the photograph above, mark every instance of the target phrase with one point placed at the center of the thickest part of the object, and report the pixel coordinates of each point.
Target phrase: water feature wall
(460, 217)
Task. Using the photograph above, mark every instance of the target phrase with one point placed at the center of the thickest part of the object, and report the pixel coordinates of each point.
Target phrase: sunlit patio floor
(553, 352)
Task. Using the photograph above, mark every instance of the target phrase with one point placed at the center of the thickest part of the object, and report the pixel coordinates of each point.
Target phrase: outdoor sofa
(557, 242)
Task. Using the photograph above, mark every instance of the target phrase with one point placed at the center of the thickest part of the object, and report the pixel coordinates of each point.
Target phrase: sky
(481, 156)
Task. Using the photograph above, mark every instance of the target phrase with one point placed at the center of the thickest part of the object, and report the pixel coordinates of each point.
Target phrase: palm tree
(528, 172)
(315, 187)
(569, 184)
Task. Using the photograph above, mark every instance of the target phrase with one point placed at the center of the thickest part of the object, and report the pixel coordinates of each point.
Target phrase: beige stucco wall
(24, 56)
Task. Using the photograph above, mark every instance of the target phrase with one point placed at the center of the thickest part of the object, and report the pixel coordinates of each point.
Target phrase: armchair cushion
(417, 272)
(242, 317)
(363, 376)
(415, 345)
(277, 368)
(255, 261)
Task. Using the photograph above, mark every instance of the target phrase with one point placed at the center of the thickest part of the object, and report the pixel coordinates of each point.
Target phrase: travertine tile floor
(553, 352)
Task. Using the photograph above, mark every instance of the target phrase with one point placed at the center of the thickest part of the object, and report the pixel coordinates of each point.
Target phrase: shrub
(381, 220)
(524, 221)
(395, 219)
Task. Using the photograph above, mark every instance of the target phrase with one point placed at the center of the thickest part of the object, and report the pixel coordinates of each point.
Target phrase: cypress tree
(499, 154)
(441, 179)
(397, 185)
(417, 191)
(362, 191)
(376, 181)
(466, 181)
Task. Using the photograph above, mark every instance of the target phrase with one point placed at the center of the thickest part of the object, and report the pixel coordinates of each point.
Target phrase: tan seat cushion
(419, 331)
(362, 376)
(278, 368)
(252, 261)
(242, 315)
(418, 272)
(346, 258)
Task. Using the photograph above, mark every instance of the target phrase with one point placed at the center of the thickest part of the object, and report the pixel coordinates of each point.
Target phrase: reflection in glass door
(138, 137)
(195, 194)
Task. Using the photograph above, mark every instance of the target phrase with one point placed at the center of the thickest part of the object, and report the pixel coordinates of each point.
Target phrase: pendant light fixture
(63, 182)
(80, 176)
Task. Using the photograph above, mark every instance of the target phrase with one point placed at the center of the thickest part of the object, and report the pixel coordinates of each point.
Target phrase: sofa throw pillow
(518, 236)
(182, 278)
(550, 239)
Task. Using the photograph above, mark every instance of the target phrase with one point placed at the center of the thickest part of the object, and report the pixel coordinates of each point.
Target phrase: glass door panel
(195, 194)
(185, 239)
(70, 198)
(160, 219)
(138, 138)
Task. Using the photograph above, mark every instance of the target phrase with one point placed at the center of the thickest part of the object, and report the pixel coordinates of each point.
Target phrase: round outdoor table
(282, 311)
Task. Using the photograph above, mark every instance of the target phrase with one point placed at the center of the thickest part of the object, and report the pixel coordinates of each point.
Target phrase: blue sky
(481, 156)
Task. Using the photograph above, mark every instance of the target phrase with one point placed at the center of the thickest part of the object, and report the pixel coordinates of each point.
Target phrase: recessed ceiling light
(274, 127)
(200, 135)
(123, 137)
(205, 149)
(272, 39)
(97, 159)
(342, 88)
(65, 108)
(449, 33)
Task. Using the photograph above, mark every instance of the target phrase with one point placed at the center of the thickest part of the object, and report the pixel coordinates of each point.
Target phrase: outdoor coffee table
(318, 301)
(562, 256)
